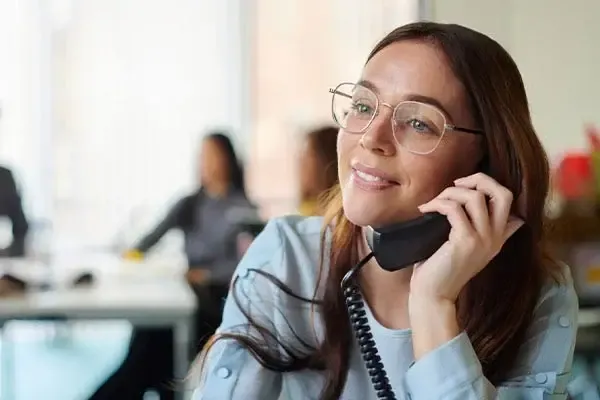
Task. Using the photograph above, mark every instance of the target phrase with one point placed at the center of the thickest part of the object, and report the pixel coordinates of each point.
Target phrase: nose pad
(379, 137)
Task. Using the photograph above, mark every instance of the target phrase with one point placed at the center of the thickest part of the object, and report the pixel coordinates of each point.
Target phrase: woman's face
(398, 73)
(214, 169)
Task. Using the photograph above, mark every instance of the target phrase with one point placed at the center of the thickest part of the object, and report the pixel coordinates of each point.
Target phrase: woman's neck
(386, 292)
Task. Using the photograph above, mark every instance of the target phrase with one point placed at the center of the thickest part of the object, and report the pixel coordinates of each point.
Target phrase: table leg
(181, 352)
(7, 373)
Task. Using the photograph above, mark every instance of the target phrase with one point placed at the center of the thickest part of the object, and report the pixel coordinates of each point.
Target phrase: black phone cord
(358, 319)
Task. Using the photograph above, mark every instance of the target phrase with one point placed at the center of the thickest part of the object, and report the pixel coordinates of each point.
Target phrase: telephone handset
(394, 247)
(403, 244)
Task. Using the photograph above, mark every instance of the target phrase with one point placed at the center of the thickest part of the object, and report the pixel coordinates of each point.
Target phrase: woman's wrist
(433, 323)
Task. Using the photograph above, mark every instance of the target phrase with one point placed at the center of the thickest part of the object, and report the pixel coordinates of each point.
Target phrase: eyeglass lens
(418, 127)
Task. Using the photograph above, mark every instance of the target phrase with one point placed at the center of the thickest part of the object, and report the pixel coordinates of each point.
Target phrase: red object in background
(574, 175)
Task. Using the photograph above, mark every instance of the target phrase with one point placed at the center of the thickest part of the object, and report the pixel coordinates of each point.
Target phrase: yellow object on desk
(593, 274)
(133, 255)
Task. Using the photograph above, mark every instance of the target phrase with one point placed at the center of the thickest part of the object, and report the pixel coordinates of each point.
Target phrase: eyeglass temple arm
(467, 130)
(333, 91)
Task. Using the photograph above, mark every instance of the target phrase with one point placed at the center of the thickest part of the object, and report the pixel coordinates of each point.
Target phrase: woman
(208, 221)
(318, 169)
(438, 122)
(220, 199)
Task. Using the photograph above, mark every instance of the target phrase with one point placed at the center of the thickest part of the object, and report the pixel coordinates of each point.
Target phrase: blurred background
(103, 108)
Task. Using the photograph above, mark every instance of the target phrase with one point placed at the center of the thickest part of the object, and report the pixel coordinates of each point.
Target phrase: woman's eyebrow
(411, 97)
(428, 100)
(368, 85)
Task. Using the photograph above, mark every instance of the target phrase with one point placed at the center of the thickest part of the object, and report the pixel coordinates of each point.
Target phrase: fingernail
(458, 180)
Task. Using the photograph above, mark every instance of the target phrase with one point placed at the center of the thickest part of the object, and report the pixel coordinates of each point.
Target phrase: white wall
(24, 91)
(135, 84)
(555, 44)
(559, 56)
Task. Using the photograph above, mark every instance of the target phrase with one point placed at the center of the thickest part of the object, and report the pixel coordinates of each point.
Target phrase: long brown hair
(496, 307)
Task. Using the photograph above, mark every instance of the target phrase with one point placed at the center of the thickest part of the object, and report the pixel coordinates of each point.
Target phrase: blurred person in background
(11, 208)
(220, 198)
(208, 221)
(318, 168)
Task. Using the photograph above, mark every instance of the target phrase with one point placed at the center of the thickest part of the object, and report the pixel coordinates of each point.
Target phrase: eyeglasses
(417, 127)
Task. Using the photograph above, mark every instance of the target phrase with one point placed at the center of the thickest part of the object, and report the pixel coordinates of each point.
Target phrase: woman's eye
(361, 108)
(418, 125)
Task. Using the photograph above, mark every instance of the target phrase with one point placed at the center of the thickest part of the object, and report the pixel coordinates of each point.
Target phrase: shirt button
(223, 373)
(564, 322)
(541, 378)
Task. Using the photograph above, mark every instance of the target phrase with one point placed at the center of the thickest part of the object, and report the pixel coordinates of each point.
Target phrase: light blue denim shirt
(289, 249)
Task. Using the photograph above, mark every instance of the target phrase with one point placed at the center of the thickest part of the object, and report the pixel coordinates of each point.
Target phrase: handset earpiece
(403, 244)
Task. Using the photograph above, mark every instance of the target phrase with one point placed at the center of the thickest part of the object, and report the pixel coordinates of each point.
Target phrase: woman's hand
(243, 242)
(133, 255)
(478, 209)
(197, 276)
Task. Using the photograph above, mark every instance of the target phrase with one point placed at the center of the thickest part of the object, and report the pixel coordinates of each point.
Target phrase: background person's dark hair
(236, 170)
(496, 307)
(236, 178)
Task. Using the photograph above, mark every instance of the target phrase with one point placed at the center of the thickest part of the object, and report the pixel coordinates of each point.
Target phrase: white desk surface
(120, 291)
(148, 294)
(589, 317)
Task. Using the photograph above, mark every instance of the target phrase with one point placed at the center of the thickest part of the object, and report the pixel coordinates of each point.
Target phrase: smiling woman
(487, 316)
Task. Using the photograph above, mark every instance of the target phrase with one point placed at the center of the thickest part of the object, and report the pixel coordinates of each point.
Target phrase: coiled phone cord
(358, 318)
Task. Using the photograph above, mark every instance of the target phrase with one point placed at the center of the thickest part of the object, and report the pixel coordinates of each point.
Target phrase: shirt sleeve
(231, 257)
(542, 370)
(230, 371)
(169, 221)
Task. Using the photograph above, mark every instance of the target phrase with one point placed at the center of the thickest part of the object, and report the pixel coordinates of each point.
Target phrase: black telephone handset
(403, 244)
(394, 247)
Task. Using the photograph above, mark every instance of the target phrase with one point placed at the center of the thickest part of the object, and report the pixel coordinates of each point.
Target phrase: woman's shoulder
(558, 302)
(294, 239)
(559, 287)
(305, 228)
(289, 250)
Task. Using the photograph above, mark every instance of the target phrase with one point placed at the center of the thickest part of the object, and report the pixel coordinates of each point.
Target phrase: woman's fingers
(500, 198)
(475, 205)
(455, 213)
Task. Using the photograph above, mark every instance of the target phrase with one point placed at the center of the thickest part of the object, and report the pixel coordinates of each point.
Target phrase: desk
(589, 317)
(165, 301)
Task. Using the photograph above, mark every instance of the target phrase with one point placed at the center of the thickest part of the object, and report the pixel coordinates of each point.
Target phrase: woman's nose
(379, 137)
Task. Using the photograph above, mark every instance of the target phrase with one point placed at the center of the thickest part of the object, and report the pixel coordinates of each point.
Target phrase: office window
(135, 85)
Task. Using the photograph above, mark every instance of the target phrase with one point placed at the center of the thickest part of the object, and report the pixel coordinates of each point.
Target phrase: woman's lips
(370, 181)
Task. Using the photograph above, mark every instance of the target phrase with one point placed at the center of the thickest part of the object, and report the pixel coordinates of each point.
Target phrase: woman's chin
(372, 214)
(365, 216)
